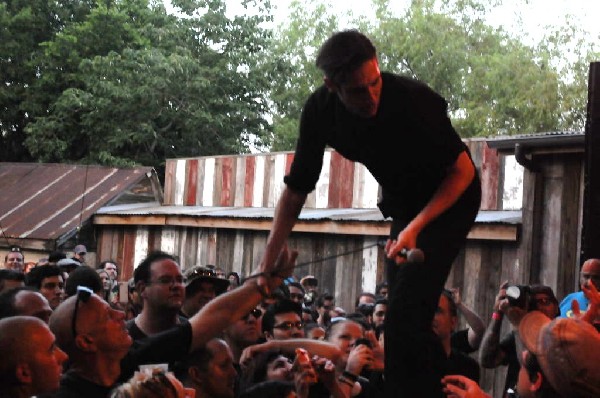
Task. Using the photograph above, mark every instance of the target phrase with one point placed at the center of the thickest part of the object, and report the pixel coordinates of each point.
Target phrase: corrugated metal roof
(548, 139)
(367, 215)
(47, 201)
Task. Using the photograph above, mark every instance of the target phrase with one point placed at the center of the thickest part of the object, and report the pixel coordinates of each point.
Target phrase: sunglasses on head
(83, 295)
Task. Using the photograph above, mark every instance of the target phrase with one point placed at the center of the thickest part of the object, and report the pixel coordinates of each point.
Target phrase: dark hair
(343, 53)
(198, 358)
(379, 287)
(235, 275)
(7, 301)
(282, 306)
(361, 319)
(102, 265)
(297, 285)
(256, 372)
(382, 301)
(35, 277)
(451, 303)
(11, 275)
(269, 389)
(532, 367)
(83, 276)
(56, 256)
(379, 329)
(321, 299)
(142, 272)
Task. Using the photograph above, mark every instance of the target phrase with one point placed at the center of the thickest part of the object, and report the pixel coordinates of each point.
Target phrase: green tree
(129, 84)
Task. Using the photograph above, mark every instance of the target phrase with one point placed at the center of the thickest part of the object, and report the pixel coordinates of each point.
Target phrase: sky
(530, 16)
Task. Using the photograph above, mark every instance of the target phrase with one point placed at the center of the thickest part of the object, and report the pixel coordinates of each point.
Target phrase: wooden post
(590, 236)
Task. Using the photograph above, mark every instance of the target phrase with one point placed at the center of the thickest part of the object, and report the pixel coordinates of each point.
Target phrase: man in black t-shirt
(101, 351)
(399, 129)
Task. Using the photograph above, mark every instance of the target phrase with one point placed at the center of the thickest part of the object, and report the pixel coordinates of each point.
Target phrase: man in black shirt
(399, 129)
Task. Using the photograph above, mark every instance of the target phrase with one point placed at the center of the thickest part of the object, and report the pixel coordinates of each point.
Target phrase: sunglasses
(83, 295)
(256, 313)
(289, 325)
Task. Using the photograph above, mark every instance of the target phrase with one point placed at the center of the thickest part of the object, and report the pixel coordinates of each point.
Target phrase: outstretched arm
(227, 308)
(458, 178)
(476, 325)
(286, 213)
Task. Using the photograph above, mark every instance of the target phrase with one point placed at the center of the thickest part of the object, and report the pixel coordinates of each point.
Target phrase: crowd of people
(201, 333)
(70, 330)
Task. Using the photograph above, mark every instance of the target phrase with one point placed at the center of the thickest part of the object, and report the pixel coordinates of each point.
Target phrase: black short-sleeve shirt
(408, 146)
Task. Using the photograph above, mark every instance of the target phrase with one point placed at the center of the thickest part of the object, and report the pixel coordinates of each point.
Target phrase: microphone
(413, 255)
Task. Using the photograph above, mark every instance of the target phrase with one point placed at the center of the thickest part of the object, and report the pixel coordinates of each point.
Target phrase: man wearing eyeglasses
(283, 321)
(160, 283)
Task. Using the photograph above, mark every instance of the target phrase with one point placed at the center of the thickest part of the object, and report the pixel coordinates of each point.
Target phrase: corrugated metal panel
(485, 217)
(550, 139)
(47, 201)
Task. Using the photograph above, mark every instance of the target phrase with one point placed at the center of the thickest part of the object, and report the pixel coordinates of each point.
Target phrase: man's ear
(537, 383)
(195, 374)
(23, 373)
(140, 287)
(331, 86)
(268, 335)
(85, 343)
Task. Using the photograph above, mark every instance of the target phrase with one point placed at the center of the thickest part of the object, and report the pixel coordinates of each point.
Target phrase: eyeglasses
(256, 313)
(167, 281)
(289, 325)
(83, 295)
(15, 249)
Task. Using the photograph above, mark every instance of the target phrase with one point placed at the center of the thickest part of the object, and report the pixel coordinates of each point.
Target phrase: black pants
(414, 358)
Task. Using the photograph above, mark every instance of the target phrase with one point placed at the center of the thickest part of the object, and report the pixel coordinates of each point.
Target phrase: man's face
(366, 300)
(545, 304)
(46, 361)
(111, 269)
(379, 314)
(443, 321)
(327, 306)
(384, 292)
(80, 256)
(361, 92)
(30, 303)
(590, 271)
(344, 335)
(296, 295)
(164, 290)
(287, 326)
(106, 325)
(52, 288)
(205, 292)
(219, 379)
(244, 332)
(280, 369)
(14, 261)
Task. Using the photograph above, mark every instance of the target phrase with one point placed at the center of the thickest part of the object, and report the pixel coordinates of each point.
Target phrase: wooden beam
(501, 232)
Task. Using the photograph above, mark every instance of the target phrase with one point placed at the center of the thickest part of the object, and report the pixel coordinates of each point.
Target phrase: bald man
(31, 362)
(590, 271)
(24, 301)
(101, 351)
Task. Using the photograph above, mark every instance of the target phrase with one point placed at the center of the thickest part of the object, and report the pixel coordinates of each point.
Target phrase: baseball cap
(309, 280)
(79, 249)
(200, 273)
(68, 264)
(567, 350)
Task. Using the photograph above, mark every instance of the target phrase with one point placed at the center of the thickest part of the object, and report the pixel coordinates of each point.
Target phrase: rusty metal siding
(47, 201)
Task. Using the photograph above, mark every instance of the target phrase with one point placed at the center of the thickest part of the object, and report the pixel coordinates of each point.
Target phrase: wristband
(350, 376)
(497, 316)
(346, 381)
